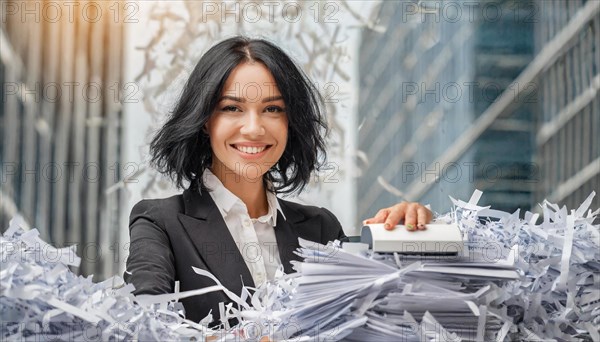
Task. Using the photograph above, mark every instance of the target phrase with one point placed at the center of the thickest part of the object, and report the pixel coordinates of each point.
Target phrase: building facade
(495, 98)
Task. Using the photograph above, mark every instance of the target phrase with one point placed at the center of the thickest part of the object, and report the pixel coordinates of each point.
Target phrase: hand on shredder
(415, 216)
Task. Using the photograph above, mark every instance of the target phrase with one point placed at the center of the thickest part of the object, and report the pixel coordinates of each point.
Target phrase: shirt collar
(225, 199)
(274, 207)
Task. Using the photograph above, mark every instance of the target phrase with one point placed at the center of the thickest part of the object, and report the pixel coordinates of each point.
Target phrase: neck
(251, 192)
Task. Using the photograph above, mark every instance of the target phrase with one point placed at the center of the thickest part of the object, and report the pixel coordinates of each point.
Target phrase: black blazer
(169, 236)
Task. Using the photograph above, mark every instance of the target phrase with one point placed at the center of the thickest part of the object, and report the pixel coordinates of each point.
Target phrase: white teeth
(250, 149)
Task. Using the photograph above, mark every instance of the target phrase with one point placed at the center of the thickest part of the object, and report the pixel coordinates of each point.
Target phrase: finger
(381, 216)
(423, 217)
(378, 218)
(371, 220)
(396, 214)
(410, 219)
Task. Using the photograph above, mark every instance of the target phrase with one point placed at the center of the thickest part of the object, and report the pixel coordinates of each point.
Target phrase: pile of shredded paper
(523, 279)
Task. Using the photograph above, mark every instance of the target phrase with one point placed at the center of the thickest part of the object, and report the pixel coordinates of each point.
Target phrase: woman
(248, 126)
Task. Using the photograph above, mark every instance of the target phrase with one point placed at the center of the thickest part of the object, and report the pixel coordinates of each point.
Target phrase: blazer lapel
(213, 241)
(288, 231)
(287, 243)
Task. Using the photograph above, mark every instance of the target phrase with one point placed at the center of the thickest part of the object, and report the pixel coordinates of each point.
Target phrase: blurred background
(425, 100)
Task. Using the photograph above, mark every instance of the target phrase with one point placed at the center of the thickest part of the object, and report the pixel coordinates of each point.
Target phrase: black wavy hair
(181, 148)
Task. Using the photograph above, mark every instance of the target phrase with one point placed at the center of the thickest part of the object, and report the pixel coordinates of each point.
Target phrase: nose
(253, 125)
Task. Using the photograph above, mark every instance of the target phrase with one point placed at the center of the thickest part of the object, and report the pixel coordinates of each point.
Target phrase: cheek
(211, 134)
(216, 131)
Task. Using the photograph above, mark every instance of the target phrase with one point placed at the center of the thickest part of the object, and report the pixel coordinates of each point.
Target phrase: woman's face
(248, 129)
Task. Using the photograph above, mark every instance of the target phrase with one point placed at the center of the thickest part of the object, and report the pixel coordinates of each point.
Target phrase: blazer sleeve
(333, 229)
(150, 264)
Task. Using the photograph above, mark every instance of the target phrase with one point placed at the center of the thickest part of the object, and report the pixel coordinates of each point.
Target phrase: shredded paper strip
(523, 279)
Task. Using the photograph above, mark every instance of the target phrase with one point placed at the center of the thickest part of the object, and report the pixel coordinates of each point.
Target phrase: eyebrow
(239, 99)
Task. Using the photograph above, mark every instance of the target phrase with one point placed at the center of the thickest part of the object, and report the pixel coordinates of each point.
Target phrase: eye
(274, 109)
(230, 109)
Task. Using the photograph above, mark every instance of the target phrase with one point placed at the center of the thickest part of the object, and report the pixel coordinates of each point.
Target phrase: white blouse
(255, 238)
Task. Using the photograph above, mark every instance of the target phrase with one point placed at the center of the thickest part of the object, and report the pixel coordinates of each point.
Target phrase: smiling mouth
(251, 149)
